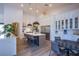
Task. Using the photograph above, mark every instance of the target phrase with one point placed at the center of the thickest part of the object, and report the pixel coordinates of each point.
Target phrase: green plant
(8, 29)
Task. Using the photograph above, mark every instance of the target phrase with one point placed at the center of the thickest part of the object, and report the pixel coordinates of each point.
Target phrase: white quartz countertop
(35, 34)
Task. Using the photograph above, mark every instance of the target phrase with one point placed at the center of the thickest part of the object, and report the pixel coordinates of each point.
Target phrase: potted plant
(8, 29)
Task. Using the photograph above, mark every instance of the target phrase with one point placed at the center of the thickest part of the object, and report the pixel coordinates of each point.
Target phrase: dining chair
(55, 48)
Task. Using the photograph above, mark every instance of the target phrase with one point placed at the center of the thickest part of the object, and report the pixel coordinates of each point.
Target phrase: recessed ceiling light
(50, 5)
(30, 8)
(22, 5)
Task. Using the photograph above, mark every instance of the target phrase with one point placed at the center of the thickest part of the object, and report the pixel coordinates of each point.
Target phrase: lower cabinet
(8, 46)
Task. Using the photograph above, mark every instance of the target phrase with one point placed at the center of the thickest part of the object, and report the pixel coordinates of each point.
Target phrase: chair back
(55, 47)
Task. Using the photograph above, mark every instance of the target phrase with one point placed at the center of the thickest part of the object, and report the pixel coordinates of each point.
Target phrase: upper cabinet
(45, 29)
(62, 23)
(76, 22)
(66, 23)
(72, 23)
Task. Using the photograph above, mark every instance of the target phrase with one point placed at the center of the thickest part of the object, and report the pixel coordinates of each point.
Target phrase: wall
(13, 14)
(67, 13)
(45, 20)
(42, 19)
(1, 13)
(29, 18)
(9, 14)
(8, 46)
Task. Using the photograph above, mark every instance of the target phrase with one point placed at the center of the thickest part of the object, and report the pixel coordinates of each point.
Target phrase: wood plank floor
(43, 50)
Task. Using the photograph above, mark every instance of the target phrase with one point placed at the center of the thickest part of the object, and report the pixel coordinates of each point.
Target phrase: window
(1, 30)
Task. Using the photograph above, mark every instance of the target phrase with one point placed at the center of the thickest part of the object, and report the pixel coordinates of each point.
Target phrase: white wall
(42, 19)
(45, 20)
(8, 46)
(9, 14)
(1, 13)
(29, 18)
(63, 15)
(13, 14)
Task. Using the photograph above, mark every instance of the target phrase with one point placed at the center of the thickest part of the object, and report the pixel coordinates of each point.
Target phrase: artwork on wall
(62, 24)
(76, 22)
(16, 28)
(66, 23)
(71, 23)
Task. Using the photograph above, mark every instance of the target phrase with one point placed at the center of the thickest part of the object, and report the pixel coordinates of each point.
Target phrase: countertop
(35, 34)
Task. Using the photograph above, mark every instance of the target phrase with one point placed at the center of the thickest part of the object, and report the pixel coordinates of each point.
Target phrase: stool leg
(33, 43)
(50, 53)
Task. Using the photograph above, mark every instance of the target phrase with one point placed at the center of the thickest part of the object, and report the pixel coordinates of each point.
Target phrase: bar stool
(32, 39)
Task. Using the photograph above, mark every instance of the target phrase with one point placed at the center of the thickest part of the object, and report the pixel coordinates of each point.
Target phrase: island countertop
(35, 34)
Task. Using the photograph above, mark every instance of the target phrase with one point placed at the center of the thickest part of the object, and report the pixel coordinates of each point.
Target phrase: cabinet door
(47, 29)
(76, 22)
(66, 23)
(71, 23)
(59, 25)
(43, 29)
(62, 22)
(56, 25)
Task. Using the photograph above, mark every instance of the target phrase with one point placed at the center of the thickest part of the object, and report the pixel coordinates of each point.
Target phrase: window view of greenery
(1, 30)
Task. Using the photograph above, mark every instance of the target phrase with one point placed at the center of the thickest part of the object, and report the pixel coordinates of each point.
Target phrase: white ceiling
(43, 8)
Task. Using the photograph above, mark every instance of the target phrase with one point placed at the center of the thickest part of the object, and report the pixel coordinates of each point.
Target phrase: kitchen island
(34, 39)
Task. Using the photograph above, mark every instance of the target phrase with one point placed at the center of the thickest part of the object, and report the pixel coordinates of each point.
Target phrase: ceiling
(40, 8)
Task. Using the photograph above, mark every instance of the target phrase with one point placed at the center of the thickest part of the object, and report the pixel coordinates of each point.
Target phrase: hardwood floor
(36, 51)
